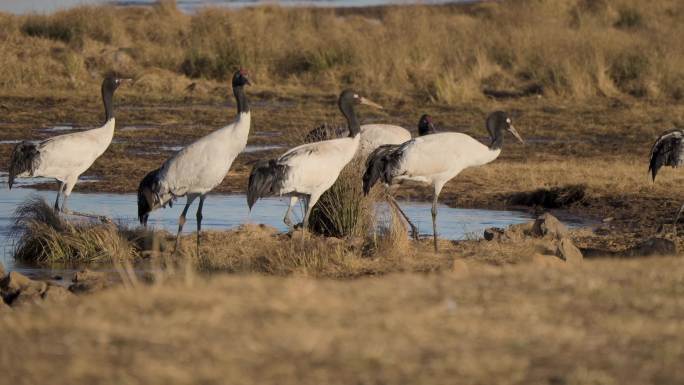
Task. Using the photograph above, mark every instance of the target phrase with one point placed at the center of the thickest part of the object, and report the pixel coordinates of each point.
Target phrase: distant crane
(66, 157)
(436, 159)
(668, 150)
(372, 135)
(199, 167)
(307, 171)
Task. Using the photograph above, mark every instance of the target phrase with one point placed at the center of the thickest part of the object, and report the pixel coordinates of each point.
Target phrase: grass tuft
(261, 249)
(46, 238)
(344, 211)
(629, 71)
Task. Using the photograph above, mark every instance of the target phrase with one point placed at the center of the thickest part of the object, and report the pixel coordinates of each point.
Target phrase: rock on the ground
(56, 293)
(568, 252)
(548, 225)
(493, 233)
(86, 281)
(16, 284)
(519, 231)
(27, 298)
(544, 226)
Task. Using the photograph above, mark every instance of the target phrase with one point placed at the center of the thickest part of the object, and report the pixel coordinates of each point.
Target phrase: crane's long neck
(497, 140)
(352, 121)
(241, 99)
(108, 100)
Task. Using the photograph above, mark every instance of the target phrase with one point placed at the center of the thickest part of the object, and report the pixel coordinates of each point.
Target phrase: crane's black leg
(59, 192)
(414, 228)
(674, 224)
(199, 221)
(181, 220)
(288, 213)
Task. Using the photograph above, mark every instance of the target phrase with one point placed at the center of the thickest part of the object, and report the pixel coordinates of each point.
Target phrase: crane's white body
(202, 165)
(66, 157)
(376, 135)
(199, 167)
(437, 158)
(314, 167)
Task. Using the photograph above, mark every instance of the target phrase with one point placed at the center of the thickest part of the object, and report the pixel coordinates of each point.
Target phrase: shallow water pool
(230, 211)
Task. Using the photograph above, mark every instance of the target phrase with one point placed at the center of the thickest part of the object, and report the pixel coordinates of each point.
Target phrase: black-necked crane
(199, 167)
(425, 127)
(668, 150)
(66, 157)
(436, 159)
(372, 135)
(307, 171)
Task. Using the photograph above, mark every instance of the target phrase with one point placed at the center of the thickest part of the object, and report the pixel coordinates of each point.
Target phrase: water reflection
(229, 211)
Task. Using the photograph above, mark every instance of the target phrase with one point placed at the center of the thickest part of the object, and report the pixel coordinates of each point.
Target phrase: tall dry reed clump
(344, 210)
(575, 49)
(43, 237)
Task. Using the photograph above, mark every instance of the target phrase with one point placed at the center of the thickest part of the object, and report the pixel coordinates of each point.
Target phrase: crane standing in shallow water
(66, 157)
(425, 127)
(198, 168)
(436, 159)
(307, 171)
(668, 150)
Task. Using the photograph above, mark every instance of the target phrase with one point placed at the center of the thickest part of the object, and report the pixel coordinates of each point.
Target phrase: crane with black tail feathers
(307, 171)
(66, 157)
(668, 150)
(199, 167)
(435, 159)
(383, 153)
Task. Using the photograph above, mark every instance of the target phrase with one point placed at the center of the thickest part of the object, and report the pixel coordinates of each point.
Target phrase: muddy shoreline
(598, 148)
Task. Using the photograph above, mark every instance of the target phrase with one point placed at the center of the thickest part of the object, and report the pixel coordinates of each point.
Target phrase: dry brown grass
(44, 237)
(574, 49)
(344, 210)
(607, 322)
(260, 249)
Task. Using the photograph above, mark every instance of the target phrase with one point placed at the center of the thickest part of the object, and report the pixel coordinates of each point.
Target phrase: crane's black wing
(668, 150)
(326, 132)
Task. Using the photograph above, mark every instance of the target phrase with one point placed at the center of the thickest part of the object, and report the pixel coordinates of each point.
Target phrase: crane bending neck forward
(435, 159)
(307, 171)
(199, 167)
(65, 157)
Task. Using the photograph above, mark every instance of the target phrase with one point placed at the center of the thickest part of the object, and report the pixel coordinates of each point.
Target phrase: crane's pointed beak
(367, 102)
(515, 133)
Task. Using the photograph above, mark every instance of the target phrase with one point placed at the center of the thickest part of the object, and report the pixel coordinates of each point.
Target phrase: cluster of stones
(18, 290)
